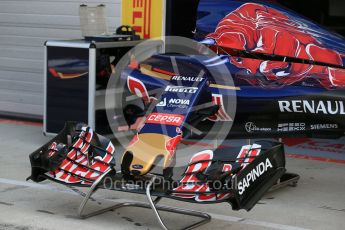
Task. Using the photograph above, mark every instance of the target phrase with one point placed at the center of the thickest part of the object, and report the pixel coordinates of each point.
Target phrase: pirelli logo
(145, 16)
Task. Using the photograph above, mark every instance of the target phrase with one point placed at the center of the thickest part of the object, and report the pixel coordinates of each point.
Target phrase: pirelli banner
(147, 17)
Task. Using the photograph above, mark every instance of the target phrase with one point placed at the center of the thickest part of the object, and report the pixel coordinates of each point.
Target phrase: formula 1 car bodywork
(288, 80)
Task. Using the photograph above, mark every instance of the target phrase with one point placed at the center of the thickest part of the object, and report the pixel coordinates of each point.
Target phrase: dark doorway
(329, 13)
(181, 17)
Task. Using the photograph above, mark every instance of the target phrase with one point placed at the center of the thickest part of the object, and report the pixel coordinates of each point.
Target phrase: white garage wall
(24, 27)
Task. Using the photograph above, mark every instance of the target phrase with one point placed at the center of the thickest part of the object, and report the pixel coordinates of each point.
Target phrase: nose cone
(144, 152)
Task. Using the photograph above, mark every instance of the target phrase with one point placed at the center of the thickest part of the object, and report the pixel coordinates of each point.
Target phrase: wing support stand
(288, 179)
(205, 218)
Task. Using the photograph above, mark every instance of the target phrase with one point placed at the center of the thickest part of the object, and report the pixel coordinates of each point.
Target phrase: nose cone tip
(136, 172)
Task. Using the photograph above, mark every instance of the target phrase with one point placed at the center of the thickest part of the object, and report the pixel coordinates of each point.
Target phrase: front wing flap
(240, 176)
(76, 156)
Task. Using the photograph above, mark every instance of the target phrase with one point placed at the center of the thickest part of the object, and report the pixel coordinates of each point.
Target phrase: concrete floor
(318, 202)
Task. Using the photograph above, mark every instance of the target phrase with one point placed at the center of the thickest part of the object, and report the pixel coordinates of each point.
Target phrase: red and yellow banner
(147, 17)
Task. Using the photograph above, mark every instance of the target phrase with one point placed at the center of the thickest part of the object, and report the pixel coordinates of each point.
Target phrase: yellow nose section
(146, 150)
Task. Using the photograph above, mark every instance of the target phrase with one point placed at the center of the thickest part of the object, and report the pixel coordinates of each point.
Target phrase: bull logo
(260, 29)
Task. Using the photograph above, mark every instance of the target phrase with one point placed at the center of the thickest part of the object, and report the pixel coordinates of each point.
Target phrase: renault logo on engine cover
(312, 107)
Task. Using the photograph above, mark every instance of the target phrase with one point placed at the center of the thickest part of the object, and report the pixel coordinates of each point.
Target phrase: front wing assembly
(240, 176)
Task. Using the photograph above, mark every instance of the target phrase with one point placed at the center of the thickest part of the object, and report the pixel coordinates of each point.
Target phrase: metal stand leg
(88, 196)
(152, 205)
(205, 217)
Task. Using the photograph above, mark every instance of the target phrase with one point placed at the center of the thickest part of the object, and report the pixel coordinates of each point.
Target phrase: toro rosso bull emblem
(261, 29)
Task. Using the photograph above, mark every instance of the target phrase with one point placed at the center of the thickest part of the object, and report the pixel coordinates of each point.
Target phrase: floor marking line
(289, 155)
(214, 215)
(34, 185)
(313, 158)
(20, 122)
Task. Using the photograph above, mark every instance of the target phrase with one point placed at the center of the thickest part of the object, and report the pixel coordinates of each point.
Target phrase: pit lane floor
(318, 202)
